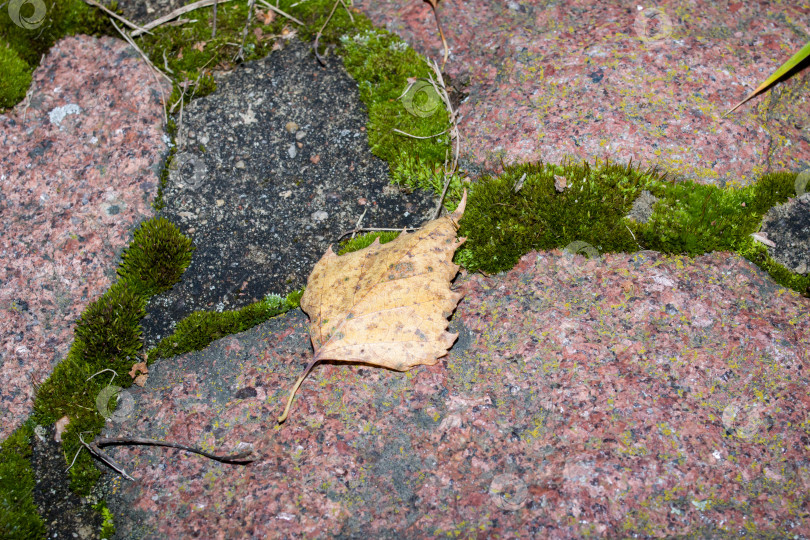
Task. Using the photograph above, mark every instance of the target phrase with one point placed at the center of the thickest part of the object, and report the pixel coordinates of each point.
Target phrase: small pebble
(291, 127)
(220, 202)
(292, 151)
(320, 215)
(300, 135)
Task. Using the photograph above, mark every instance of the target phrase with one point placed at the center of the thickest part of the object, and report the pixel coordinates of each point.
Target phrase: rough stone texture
(788, 226)
(262, 198)
(554, 79)
(628, 395)
(144, 11)
(78, 169)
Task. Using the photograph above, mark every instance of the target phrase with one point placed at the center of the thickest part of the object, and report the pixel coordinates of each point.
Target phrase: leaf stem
(295, 388)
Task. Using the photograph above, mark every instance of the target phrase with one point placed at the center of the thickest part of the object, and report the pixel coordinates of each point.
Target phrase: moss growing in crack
(108, 525)
(107, 337)
(108, 334)
(383, 64)
(365, 240)
(502, 224)
(199, 329)
(18, 513)
(156, 258)
(694, 218)
(16, 77)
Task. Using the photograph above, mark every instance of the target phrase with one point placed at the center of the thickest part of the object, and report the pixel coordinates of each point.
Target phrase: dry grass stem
(241, 54)
(282, 13)
(149, 62)
(176, 13)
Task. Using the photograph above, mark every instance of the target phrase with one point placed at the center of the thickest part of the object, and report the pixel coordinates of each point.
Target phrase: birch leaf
(385, 305)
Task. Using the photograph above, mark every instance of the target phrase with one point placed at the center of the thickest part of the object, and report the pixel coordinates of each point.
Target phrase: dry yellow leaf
(385, 305)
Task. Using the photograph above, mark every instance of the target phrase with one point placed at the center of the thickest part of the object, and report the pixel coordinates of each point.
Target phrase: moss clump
(502, 224)
(16, 77)
(107, 333)
(18, 513)
(694, 219)
(382, 64)
(156, 258)
(108, 526)
(199, 329)
(107, 336)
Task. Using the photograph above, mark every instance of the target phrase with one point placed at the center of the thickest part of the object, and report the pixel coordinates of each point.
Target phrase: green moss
(382, 64)
(19, 517)
(365, 240)
(16, 77)
(502, 224)
(108, 526)
(199, 329)
(156, 258)
(107, 337)
(693, 219)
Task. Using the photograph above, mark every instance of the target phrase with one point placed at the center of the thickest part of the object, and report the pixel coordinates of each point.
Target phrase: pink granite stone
(627, 396)
(78, 172)
(592, 80)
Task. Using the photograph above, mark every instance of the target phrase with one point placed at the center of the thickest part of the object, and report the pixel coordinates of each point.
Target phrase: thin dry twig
(150, 64)
(241, 54)
(417, 136)
(115, 374)
(435, 5)
(240, 458)
(214, 21)
(117, 16)
(441, 91)
(176, 13)
(351, 18)
(282, 13)
(320, 32)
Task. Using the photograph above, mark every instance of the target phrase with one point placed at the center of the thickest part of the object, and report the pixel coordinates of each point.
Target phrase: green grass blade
(778, 74)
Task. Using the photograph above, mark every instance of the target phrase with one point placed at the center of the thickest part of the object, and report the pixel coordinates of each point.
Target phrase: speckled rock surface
(631, 395)
(593, 80)
(788, 226)
(78, 170)
(270, 169)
